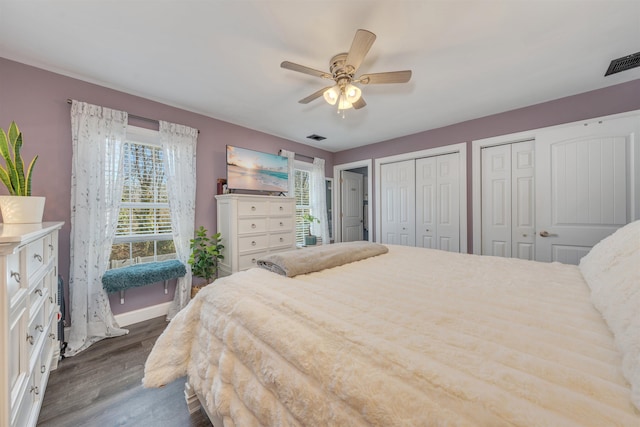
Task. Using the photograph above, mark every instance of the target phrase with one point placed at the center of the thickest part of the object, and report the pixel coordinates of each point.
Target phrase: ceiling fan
(343, 67)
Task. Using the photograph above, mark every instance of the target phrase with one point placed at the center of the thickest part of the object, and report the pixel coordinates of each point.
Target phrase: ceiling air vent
(623, 64)
(316, 137)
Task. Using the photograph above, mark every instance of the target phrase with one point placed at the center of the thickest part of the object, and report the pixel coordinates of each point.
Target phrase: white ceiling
(222, 58)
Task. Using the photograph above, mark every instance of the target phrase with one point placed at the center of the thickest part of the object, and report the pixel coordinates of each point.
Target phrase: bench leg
(166, 287)
(121, 297)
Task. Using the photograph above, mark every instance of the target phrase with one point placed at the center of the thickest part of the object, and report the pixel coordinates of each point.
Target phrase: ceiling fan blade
(314, 95)
(359, 47)
(388, 77)
(359, 103)
(306, 70)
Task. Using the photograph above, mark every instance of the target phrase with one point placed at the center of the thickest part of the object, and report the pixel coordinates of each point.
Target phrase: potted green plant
(20, 207)
(309, 239)
(205, 254)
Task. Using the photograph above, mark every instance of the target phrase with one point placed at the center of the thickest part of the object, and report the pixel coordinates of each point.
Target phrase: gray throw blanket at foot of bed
(310, 259)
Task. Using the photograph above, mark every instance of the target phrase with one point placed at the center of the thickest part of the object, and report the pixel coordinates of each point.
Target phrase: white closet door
(438, 202)
(496, 200)
(397, 187)
(426, 202)
(523, 234)
(587, 185)
(352, 212)
(508, 209)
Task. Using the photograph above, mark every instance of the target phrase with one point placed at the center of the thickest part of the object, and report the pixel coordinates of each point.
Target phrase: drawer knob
(38, 257)
(281, 208)
(253, 260)
(39, 328)
(253, 208)
(281, 224)
(38, 291)
(253, 243)
(253, 226)
(281, 239)
(30, 339)
(42, 369)
(16, 275)
(34, 390)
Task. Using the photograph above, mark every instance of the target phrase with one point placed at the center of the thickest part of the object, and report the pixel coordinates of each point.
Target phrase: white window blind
(144, 223)
(302, 185)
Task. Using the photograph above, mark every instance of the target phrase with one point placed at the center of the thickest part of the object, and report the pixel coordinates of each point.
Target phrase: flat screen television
(256, 171)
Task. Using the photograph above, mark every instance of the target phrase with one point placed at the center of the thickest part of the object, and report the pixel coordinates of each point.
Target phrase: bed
(415, 337)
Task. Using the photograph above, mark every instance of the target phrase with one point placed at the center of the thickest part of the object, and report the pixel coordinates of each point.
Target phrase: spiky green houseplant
(12, 175)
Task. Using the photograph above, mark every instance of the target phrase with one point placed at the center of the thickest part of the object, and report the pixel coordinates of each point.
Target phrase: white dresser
(29, 313)
(253, 226)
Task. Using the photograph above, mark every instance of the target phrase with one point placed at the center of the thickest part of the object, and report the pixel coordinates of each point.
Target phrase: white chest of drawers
(28, 318)
(253, 226)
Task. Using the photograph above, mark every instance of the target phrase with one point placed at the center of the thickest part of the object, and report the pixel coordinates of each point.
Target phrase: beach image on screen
(254, 170)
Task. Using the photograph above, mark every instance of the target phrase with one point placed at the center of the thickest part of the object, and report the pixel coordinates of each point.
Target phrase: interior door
(352, 205)
(508, 200)
(398, 203)
(448, 202)
(587, 185)
(438, 202)
(496, 200)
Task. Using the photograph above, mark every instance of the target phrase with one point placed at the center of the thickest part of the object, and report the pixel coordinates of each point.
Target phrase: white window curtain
(98, 137)
(291, 156)
(179, 146)
(318, 196)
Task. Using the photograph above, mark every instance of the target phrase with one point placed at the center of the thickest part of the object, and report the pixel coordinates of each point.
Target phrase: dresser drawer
(280, 240)
(249, 260)
(13, 274)
(17, 365)
(49, 244)
(280, 208)
(35, 256)
(252, 208)
(38, 297)
(38, 327)
(20, 417)
(281, 224)
(252, 225)
(253, 243)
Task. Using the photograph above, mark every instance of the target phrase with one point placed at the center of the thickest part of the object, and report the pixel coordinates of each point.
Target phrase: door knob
(545, 233)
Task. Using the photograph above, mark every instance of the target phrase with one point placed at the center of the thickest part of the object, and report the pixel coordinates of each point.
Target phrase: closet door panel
(496, 200)
(448, 199)
(426, 202)
(523, 200)
(398, 203)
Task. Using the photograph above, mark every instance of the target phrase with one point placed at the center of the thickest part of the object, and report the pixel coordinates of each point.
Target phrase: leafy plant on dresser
(13, 176)
(205, 254)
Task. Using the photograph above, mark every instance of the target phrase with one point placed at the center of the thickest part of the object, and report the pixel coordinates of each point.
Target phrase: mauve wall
(37, 101)
(611, 100)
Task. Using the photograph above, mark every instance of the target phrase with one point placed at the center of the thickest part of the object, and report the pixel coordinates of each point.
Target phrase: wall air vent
(316, 137)
(623, 64)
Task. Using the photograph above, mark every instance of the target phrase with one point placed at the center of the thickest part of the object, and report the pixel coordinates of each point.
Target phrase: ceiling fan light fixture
(332, 94)
(344, 103)
(352, 93)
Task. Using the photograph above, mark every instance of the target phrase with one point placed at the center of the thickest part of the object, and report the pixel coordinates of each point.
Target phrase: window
(302, 176)
(144, 222)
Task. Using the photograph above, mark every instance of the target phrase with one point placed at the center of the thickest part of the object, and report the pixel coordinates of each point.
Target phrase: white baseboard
(142, 314)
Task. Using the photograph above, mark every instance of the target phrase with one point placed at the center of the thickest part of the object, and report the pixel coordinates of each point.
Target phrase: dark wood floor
(102, 387)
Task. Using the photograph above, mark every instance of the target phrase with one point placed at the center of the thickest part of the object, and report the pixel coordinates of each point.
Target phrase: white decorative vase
(22, 209)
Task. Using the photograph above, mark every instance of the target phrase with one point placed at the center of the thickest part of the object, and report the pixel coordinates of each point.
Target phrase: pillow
(612, 271)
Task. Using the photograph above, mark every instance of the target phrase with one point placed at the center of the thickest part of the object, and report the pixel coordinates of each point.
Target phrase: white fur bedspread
(415, 337)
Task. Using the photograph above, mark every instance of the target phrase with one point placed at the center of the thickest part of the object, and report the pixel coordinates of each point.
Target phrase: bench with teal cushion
(120, 279)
